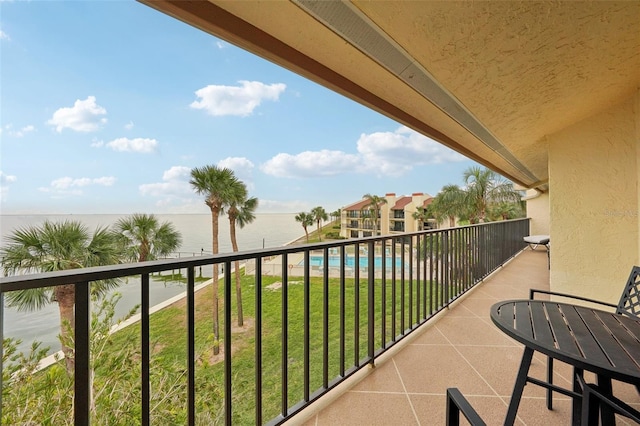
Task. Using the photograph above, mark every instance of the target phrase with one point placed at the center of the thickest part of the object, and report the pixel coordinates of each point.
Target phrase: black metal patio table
(601, 342)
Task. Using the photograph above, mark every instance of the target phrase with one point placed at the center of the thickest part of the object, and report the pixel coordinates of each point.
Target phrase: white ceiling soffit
(355, 28)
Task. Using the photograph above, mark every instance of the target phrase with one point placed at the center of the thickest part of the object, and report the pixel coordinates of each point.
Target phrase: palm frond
(31, 299)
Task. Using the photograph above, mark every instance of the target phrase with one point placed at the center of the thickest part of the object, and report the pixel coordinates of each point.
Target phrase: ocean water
(268, 230)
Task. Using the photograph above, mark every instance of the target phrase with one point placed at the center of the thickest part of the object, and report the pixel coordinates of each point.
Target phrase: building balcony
(460, 348)
(368, 331)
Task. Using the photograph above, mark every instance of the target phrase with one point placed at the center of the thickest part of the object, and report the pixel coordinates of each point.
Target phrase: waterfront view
(303, 332)
(268, 230)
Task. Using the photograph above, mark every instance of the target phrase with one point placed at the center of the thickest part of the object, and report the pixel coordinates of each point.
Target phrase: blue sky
(106, 106)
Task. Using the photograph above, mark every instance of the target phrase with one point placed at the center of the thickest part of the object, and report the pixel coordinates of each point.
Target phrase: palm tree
(144, 238)
(449, 203)
(217, 186)
(335, 215)
(306, 219)
(422, 214)
(241, 211)
(374, 207)
(505, 211)
(57, 246)
(484, 187)
(319, 214)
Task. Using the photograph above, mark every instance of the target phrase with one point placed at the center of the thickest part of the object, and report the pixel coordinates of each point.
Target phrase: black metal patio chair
(593, 400)
(456, 404)
(628, 305)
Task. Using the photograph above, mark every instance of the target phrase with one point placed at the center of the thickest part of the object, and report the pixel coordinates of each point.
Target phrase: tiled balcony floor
(460, 349)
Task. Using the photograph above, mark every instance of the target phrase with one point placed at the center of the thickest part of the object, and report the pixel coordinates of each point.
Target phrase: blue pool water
(350, 261)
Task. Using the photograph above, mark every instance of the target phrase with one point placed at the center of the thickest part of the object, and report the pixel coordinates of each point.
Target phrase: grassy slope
(168, 337)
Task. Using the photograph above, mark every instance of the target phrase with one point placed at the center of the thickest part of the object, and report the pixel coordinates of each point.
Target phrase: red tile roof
(401, 202)
(357, 206)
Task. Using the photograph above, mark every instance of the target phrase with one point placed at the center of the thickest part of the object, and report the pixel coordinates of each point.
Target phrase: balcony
(414, 306)
(460, 348)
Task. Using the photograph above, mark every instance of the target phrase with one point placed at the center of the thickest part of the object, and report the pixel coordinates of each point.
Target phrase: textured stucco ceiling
(513, 72)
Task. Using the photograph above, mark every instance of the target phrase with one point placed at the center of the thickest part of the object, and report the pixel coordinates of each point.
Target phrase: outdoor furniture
(604, 343)
(457, 403)
(535, 240)
(629, 305)
(593, 400)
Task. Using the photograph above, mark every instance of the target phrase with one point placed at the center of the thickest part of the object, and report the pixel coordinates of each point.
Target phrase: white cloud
(19, 133)
(105, 181)
(396, 153)
(177, 173)
(236, 100)
(5, 178)
(174, 188)
(96, 143)
(221, 44)
(129, 125)
(83, 116)
(5, 181)
(70, 186)
(67, 182)
(311, 163)
(4, 36)
(141, 145)
(384, 153)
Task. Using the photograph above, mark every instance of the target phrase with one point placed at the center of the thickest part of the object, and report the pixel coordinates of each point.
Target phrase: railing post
(403, 266)
(445, 266)
(356, 310)
(144, 351)
(258, 339)
(393, 290)
(343, 299)
(410, 310)
(1, 350)
(191, 352)
(228, 388)
(371, 302)
(383, 294)
(82, 376)
(284, 402)
(325, 321)
(306, 324)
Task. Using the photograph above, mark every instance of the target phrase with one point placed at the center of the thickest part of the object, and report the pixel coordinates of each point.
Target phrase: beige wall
(538, 212)
(417, 200)
(385, 210)
(593, 176)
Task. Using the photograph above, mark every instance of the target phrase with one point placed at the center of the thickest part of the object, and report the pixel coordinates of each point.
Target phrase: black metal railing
(343, 303)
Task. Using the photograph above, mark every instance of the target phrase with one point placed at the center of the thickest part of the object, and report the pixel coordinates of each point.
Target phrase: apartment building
(395, 216)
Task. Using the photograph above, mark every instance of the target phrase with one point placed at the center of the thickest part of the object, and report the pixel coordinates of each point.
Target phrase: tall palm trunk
(215, 213)
(66, 297)
(144, 251)
(234, 245)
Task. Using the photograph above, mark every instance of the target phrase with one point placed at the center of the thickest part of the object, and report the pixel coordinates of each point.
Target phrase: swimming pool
(350, 261)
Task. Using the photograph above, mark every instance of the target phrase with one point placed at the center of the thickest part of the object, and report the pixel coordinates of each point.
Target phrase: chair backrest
(629, 303)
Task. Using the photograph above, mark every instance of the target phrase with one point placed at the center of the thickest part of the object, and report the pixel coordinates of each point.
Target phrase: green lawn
(117, 376)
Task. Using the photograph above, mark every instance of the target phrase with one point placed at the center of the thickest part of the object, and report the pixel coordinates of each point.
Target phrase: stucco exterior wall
(593, 175)
(538, 212)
